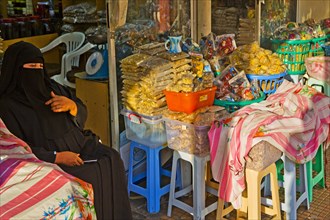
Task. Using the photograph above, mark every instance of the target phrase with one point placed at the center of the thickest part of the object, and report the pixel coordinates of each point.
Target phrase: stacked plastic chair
(72, 41)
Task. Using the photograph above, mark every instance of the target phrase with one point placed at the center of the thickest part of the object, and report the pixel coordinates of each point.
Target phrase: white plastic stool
(291, 203)
(198, 210)
(319, 85)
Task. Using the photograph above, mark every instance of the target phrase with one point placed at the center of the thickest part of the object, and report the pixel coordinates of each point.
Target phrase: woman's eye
(33, 65)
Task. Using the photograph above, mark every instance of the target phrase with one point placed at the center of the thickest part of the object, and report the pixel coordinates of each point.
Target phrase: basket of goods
(292, 43)
(262, 65)
(318, 68)
(232, 106)
(316, 46)
(293, 53)
(268, 83)
(189, 132)
(191, 87)
(318, 31)
(235, 91)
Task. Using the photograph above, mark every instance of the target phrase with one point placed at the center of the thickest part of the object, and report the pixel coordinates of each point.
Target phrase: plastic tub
(269, 83)
(146, 130)
(188, 102)
(187, 137)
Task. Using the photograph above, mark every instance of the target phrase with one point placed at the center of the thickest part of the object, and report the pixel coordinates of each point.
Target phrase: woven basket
(293, 54)
(233, 106)
(269, 83)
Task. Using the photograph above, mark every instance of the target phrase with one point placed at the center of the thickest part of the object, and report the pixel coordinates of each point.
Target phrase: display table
(94, 94)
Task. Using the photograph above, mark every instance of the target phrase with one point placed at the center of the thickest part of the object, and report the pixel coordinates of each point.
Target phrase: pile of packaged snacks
(224, 19)
(303, 31)
(217, 45)
(152, 49)
(246, 31)
(254, 59)
(325, 24)
(191, 75)
(189, 132)
(80, 13)
(144, 79)
(183, 76)
(135, 35)
(233, 85)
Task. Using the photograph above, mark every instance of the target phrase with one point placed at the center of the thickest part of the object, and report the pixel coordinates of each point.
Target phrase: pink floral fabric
(33, 189)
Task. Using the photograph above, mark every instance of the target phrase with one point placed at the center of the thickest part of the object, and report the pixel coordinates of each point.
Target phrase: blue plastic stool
(154, 171)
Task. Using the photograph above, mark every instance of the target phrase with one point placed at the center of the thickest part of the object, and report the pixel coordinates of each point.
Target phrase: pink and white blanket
(295, 120)
(33, 189)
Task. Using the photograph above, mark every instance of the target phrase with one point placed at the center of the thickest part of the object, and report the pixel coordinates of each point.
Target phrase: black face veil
(31, 87)
(15, 56)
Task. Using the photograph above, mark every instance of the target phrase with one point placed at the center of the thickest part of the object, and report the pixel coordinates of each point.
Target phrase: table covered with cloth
(295, 120)
(34, 189)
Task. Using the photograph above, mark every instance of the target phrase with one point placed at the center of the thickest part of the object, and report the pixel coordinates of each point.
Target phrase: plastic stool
(198, 210)
(319, 85)
(318, 167)
(210, 182)
(291, 203)
(252, 201)
(153, 190)
(314, 166)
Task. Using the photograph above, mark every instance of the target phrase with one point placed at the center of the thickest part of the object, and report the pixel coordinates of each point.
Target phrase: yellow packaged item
(134, 59)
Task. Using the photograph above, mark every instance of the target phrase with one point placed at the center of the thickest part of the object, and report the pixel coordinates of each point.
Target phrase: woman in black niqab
(50, 118)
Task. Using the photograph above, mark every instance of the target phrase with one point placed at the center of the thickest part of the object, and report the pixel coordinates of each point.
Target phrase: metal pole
(258, 18)
(113, 96)
(193, 20)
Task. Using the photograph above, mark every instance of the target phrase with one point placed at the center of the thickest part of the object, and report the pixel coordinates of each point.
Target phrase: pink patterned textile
(33, 189)
(295, 120)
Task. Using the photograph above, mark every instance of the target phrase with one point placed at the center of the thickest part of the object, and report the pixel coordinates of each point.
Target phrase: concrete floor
(319, 208)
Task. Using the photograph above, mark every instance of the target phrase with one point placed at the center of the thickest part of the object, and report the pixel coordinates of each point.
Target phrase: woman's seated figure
(50, 118)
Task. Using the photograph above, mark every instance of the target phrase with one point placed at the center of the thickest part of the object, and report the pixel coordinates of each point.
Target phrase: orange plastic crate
(189, 102)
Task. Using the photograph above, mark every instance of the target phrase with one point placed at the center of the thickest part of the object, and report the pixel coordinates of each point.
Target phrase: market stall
(175, 69)
(175, 76)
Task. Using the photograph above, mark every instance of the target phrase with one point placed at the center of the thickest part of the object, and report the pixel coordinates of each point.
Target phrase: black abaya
(46, 132)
